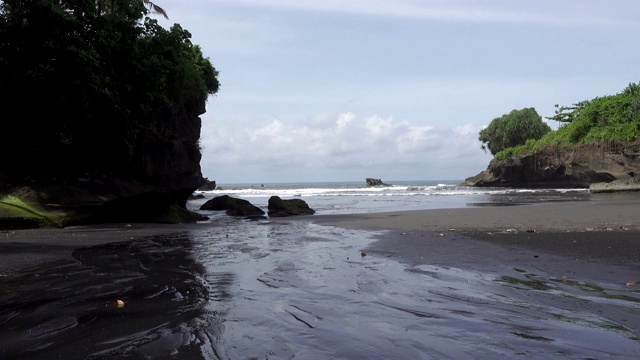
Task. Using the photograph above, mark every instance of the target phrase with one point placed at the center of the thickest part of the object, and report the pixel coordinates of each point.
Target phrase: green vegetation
(15, 214)
(86, 83)
(606, 118)
(513, 129)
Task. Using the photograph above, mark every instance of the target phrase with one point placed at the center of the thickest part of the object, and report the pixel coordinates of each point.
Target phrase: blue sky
(398, 90)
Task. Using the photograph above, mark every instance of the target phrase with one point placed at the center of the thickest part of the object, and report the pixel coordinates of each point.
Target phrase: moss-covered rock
(280, 208)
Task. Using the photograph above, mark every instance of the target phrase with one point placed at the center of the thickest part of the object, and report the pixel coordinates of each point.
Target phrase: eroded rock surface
(563, 166)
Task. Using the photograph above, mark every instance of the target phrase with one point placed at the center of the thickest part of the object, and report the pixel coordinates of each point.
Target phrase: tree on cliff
(566, 114)
(513, 129)
(83, 91)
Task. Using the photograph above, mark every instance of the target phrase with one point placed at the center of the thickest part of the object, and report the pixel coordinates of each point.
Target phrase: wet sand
(559, 288)
(589, 240)
(540, 217)
(23, 249)
(579, 245)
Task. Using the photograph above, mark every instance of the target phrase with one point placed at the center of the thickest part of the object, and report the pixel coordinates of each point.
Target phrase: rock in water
(233, 206)
(292, 207)
(375, 182)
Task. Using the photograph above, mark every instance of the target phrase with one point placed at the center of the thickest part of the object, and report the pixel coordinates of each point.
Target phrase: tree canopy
(513, 129)
(81, 80)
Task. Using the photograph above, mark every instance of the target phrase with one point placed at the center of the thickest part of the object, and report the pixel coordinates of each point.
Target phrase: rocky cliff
(563, 166)
(116, 136)
(164, 169)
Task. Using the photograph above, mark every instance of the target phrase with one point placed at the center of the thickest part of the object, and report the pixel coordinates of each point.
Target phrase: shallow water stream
(282, 290)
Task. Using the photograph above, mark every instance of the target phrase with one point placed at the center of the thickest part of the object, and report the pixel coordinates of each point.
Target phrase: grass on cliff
(16, 214)
(611, 117)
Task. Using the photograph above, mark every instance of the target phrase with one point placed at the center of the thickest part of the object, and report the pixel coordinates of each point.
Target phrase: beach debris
(115, 304)
(451, 229)
(531, 230)
(174, 352)
(511, 231)
(363, 254)
(440, 234)
(403, 233)
(633, 283)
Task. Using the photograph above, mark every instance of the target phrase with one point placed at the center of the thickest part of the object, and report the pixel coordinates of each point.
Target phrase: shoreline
(546, 217)
(604, 229)
(597, 240)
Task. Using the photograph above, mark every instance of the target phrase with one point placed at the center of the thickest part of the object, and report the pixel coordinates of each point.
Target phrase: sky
(342, 90)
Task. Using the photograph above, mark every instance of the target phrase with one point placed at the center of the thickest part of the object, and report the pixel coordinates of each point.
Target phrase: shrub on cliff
(81, 82)
(513, 129)
(612, 117)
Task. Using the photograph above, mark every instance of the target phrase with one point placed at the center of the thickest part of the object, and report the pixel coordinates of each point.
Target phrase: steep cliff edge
(563, 166)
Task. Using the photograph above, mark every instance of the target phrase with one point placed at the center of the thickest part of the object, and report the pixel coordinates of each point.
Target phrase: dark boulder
(233, 206)
(375, 182)
(291, 207)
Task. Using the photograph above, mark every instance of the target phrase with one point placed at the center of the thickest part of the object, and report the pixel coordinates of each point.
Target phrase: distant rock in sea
(375, 182)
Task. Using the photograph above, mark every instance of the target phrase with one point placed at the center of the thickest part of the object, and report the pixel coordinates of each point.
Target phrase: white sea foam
(356, 197)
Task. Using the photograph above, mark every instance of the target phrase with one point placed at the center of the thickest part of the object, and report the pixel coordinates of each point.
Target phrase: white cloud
(340, 145)
(551, 13)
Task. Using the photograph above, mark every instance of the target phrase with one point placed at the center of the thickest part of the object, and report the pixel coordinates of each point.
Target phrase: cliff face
(562, 166)
(170, 157)
(164, 169)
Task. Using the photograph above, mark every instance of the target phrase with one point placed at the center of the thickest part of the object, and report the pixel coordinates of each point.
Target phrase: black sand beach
(551, 255)
(20, 249)
(608, 231)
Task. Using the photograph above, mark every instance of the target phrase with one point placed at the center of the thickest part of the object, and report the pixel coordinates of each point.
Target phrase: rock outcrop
(622, 185)
(47, 201)
(164, 171)
(563, 166)
(152, 183)
(233, 206)
(208, 185)
(375, 182)
(292, 207)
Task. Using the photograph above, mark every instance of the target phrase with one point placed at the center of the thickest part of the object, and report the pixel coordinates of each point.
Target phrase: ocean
(355, 197)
